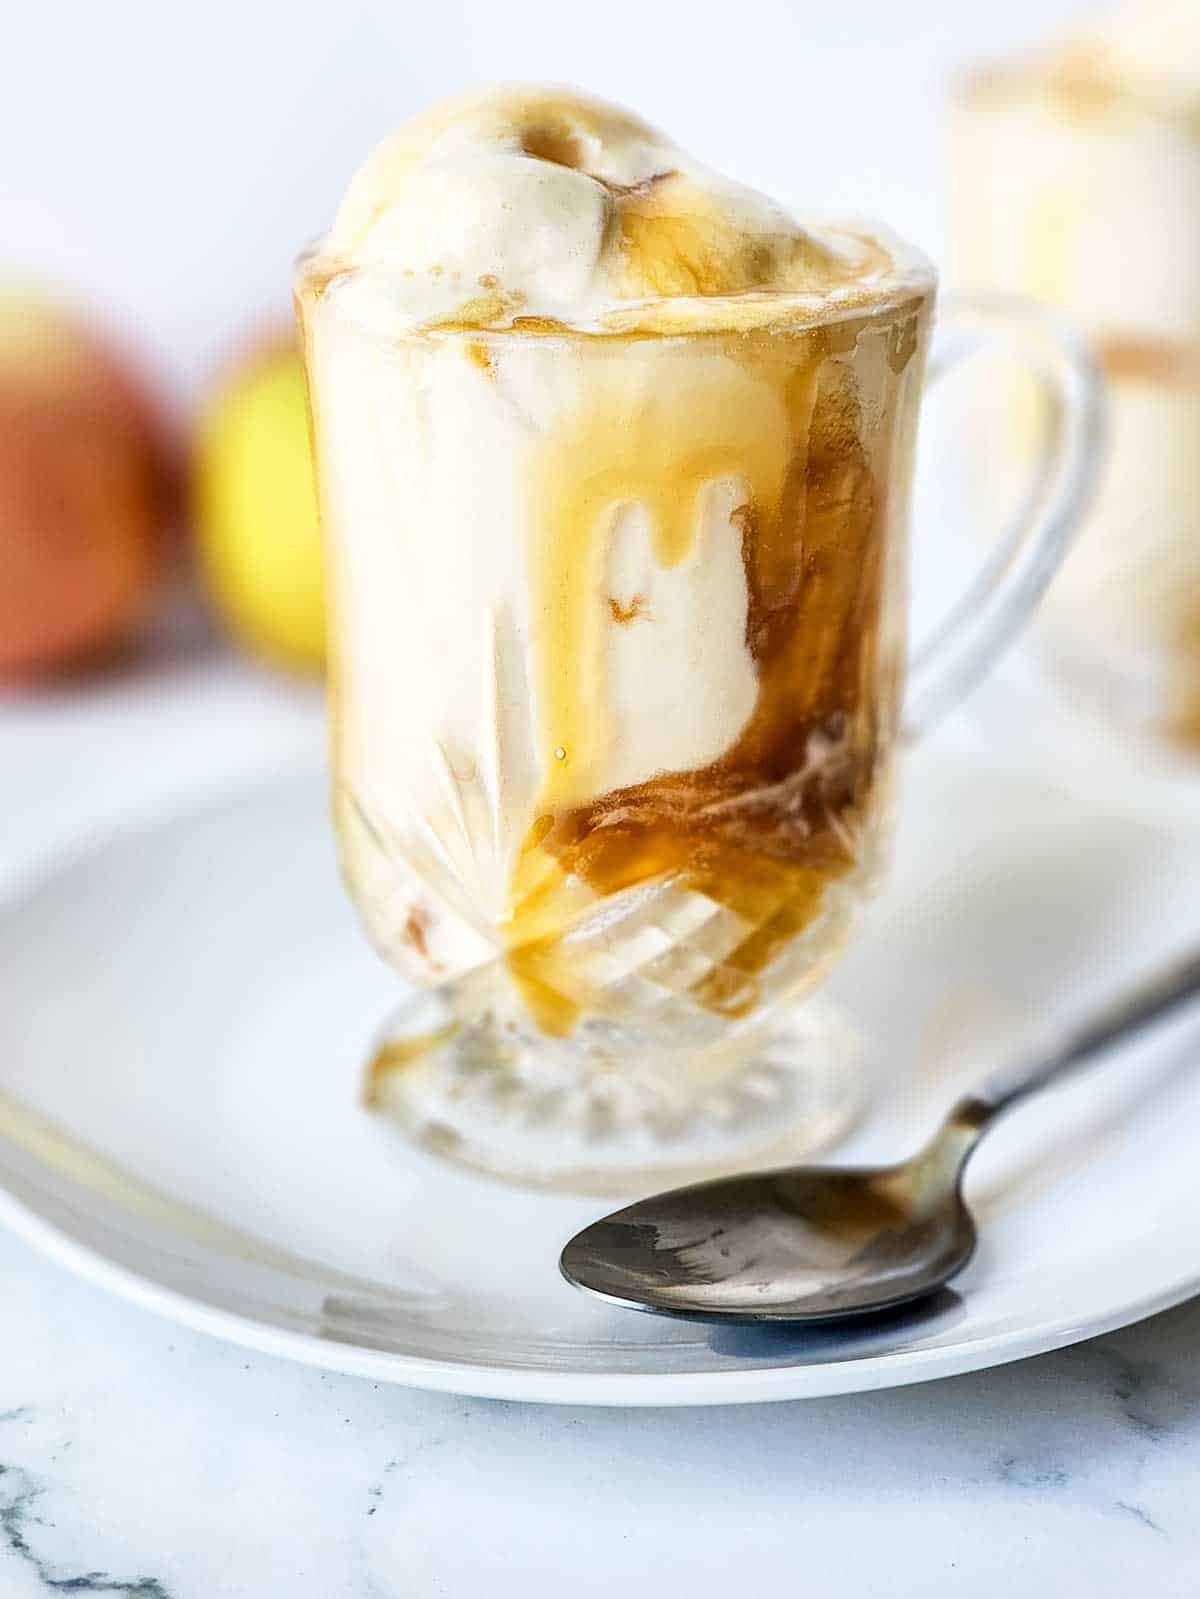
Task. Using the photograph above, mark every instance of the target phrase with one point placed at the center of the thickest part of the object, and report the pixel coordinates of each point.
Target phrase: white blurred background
(164, 161)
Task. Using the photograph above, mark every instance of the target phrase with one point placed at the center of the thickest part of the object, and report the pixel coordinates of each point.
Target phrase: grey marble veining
(20, 1522)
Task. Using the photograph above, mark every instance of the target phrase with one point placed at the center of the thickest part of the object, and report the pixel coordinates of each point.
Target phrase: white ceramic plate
(186, 1010)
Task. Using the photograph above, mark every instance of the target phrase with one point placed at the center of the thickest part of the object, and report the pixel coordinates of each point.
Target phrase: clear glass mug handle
(1001, 598)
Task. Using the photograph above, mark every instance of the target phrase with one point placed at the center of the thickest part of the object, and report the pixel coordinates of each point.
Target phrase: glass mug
(618, 677)
(1080, 188)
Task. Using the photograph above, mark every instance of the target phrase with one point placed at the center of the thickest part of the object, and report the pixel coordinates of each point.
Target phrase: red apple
(85, 488)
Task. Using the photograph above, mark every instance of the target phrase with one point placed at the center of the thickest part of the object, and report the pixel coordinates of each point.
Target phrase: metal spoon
(815, 1243)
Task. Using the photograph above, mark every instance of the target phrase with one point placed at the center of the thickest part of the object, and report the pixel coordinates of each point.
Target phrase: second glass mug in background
(1075, 179)
(613, 770)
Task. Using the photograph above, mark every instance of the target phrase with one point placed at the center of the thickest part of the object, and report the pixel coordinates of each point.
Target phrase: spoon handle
(1130, 1013)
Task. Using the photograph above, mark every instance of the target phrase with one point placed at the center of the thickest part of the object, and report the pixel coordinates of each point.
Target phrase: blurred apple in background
(255, 506)
(86, 491)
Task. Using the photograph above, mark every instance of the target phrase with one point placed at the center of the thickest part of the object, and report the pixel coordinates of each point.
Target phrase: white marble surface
(137, 1458)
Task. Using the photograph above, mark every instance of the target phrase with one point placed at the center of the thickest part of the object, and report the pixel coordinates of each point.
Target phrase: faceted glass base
(609, 1110)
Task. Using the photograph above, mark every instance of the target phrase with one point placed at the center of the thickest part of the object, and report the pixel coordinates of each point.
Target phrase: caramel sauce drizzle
(399, 1054)
(1169, 362)
(766, 827)
(677, 242)
(624, 614)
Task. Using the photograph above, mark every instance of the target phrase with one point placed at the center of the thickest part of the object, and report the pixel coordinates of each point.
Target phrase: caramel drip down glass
(613, 772)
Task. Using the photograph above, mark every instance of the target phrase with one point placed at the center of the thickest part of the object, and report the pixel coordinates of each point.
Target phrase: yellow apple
(258, 537)
(86, 488)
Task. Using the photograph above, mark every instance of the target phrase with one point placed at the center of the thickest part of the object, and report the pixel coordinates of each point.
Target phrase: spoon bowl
(809, 1244)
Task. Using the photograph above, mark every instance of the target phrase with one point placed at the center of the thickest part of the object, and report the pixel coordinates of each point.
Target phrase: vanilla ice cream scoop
(517, 202)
